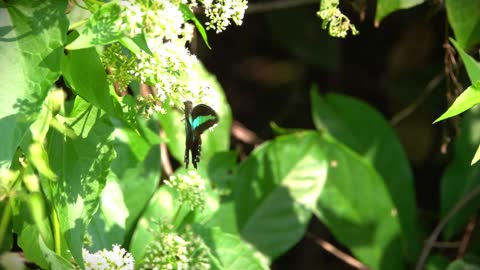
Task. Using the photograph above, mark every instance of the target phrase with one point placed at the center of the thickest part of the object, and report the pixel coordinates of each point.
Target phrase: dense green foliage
(84, 171)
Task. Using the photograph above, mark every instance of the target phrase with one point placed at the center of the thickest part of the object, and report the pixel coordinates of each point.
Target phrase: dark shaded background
(267, 66)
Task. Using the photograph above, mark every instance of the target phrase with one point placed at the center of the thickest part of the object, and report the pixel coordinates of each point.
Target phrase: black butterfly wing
(203, 117)
(197, 120)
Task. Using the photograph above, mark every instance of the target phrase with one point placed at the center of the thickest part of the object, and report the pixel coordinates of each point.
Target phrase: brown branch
(432, 85)
(338, 253)
(446, 244)
(164, 157)
(433, 236)
(243, 134)
(467, 236)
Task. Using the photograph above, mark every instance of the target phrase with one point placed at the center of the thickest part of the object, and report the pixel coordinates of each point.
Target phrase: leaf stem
(7, 214)
(177, 214)
(56, 233)
(95, 2)
(77, 24)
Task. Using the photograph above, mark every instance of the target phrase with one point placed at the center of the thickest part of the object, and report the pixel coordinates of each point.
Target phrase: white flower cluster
(118, 258)
(158, 19)
(220, 13)
(171, 250)
(190, 187)
(170, 67)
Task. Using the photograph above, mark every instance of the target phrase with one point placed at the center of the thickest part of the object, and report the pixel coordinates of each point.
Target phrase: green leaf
(39, 157)
(100, 29)
(54, 260)
(476, 157)
(460, 177)
(26, 228)
(274, 192)
(212, 142)
(344, 118)
(31, 46)
(82, 165)
(6, 237)
(469, 262)
(130, 185)
(356, 207)
(220, 169)
(165, 206)
(188, 15)
(136, 44)
(466, 100)
(385, 7)
(462, 16)
(230, 249)
(471, 65)
(162, 207)
(85, 74)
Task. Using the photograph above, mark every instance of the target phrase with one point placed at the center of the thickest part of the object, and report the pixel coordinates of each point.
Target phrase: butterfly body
(197, 120)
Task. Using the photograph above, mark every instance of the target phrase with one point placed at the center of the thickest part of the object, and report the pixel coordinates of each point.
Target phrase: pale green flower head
(190, 187)
(338, 24)
(172, 250)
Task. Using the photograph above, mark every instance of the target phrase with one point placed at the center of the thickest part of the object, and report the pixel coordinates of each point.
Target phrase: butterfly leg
(187, 157)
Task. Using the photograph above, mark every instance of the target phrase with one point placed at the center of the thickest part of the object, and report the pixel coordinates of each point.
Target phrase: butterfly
(197, 120)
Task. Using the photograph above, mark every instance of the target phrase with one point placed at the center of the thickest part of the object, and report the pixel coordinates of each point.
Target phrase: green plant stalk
(95, 2)
(7, 214)
(57, 243)
(77, 24)
(176, 216)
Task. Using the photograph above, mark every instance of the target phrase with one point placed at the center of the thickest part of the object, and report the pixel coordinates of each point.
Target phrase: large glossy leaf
(385, 7)
(165, 206)
(231, 251)
(274, 192)
(357, 208)
(130, 185)
(365, 131)
(460, 177)
(26, 227)
(85, 74)
(162, 207)
(101, 28)
(31, 45)
(467, 99)
(463, 17)
(54, 260)
(469, 262)
(212, 142)
(82, 166)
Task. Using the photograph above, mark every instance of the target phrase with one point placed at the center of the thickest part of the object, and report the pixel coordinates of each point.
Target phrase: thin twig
(338, 253)
(446, 244)
(467, 236)
(431, 239)
(275, 5)
(243, 134)
(432, 84)
(164, 158)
